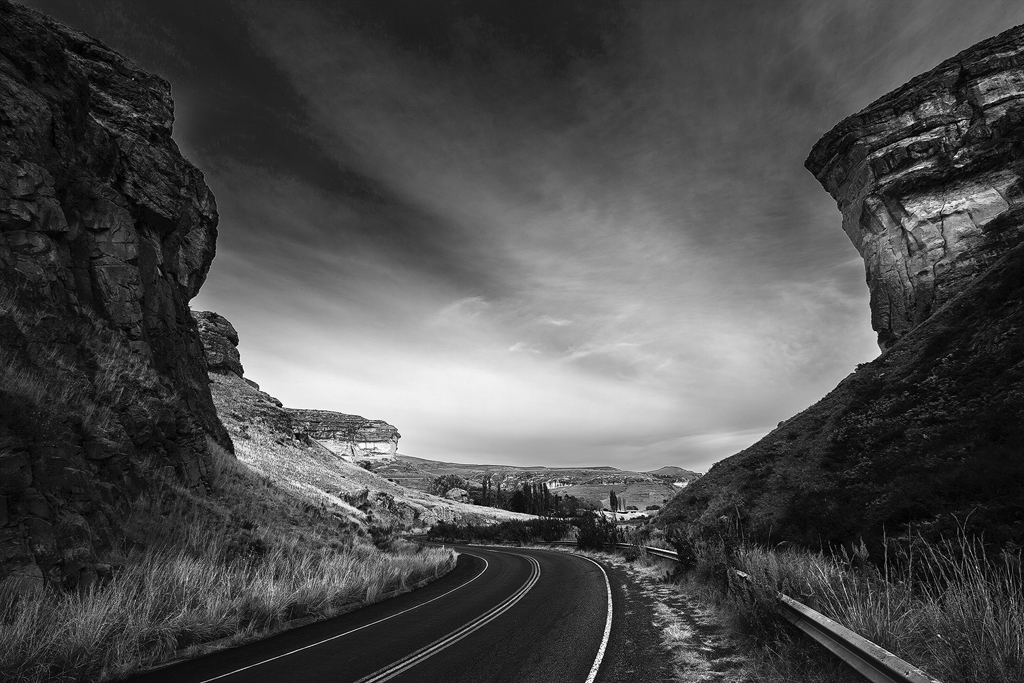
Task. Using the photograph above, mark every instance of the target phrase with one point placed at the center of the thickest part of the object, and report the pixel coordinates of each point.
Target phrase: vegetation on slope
(946, 607)
(930, 433)
(192, 568)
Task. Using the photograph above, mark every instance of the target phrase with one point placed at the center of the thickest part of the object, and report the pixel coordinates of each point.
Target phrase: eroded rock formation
(930, 434)
(106, 232)
(350, 436)
(929, 180)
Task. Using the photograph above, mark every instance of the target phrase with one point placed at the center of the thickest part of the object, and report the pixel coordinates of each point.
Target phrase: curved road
(508, 614)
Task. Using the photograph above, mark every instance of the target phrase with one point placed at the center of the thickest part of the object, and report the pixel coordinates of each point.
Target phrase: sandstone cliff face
(929, 180)
(931, 433)
(349, 436)
(106, 232)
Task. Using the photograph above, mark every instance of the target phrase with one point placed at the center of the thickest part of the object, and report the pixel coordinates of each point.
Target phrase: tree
(613, 503)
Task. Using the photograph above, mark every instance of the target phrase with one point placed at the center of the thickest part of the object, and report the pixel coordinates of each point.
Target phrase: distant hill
(593, 484)
(674, 472)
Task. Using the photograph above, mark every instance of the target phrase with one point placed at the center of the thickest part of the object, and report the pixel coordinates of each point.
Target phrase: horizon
(534, 232)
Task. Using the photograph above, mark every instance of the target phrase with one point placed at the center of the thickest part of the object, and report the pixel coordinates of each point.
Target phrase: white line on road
(327, 640)
(409, 661)
(607, 625)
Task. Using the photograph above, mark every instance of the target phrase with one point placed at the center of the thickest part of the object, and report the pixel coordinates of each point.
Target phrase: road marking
(335, 637)
(424, 653)
(607, 625)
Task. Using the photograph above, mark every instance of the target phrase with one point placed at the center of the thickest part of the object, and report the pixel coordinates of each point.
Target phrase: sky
(535, 232)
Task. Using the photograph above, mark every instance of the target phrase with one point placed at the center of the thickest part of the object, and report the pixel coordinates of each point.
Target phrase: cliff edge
(930, 434)
(929, 180)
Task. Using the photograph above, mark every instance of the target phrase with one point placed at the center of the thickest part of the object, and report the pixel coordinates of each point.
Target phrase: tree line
(529, 497)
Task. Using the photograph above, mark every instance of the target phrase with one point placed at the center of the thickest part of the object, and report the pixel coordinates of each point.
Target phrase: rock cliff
(349, 436)
(929, 180)
(220, 343)
(106, 232)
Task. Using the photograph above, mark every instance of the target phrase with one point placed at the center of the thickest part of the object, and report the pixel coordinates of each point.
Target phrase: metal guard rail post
(874, 663)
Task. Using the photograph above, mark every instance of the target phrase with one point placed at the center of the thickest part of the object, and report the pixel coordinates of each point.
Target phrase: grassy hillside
(254, 420)
(197, 568)
(929, 434)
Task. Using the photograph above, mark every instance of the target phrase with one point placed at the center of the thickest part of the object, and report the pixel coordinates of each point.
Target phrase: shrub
(513, 532)
(595, 532)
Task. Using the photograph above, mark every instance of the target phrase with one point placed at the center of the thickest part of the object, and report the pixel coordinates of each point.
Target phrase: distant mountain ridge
(593, 484)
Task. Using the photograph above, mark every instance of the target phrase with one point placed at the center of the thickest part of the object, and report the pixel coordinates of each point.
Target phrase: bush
(595, 532)
(945, 607)
(512, 532)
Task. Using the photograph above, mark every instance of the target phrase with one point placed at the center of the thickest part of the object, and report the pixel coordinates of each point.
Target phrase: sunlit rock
(928, 181)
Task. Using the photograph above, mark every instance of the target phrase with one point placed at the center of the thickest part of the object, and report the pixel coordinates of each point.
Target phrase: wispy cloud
(518, 251)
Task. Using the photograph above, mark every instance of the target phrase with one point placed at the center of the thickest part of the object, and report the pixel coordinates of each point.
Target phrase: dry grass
(235, 565)
(946, 608)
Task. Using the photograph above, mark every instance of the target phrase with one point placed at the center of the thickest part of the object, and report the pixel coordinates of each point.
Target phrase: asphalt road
(507, 614)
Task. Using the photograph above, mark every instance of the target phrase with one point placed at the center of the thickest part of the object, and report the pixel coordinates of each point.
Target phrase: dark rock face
(932, 432)
(929, 180)
(220, 343)
(350, 436)
(106, 232)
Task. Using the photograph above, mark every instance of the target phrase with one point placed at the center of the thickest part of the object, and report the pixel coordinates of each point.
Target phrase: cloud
(518, 252)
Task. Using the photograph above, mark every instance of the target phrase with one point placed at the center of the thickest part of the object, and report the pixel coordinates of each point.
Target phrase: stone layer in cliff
(106, 232)
(929, 180)
(350, 436)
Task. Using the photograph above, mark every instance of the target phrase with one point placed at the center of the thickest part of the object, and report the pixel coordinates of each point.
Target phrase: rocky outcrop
(106, 232)
(220, 343)
(349, 436)
(930, 434)
(239, 401)
(929, 180)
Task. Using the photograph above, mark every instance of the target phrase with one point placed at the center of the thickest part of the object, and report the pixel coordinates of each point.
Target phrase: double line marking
(360, 628)
(424, 653)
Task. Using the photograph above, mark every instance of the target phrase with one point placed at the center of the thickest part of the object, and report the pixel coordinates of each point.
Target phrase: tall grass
(946, 608)
(197, 568)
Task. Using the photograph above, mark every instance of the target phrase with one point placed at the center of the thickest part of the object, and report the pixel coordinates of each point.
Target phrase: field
(589, 483)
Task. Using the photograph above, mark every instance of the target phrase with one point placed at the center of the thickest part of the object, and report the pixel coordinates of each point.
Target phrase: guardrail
(874, 663)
